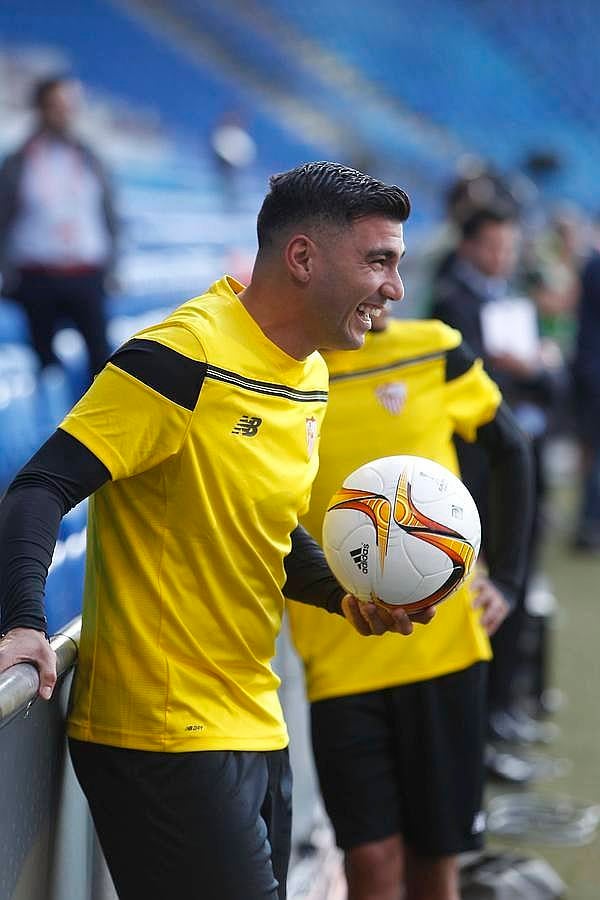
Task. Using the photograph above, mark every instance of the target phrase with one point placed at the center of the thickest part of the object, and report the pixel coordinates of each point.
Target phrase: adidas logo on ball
(361, 558)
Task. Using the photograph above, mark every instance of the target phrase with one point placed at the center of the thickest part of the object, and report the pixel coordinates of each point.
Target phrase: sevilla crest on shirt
(392, 396)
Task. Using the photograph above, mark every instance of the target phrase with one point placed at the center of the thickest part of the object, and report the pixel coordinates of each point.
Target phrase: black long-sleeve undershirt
(510, 487)
(58, 477)
(61, 474)
(309, 576)
(510, 500)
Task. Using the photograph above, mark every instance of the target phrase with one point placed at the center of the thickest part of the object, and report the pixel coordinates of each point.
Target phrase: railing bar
(19, 684)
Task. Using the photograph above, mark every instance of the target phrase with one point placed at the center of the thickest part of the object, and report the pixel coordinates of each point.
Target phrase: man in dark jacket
(476, 277)
(57, 227)
(586, 371)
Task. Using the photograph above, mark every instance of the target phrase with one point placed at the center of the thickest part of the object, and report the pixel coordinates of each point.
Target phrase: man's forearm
(309, 578)
(29, 522)
(511, 501)
(58, 477)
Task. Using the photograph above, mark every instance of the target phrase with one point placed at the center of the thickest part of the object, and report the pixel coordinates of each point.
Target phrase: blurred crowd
(521, 280)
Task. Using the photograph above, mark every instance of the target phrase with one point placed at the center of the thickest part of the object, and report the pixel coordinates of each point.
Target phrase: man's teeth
(367, 310)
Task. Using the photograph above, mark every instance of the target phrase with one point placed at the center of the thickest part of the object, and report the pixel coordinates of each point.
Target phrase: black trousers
(48, 298)
(204, 825)
(508, 666)
(508, 662)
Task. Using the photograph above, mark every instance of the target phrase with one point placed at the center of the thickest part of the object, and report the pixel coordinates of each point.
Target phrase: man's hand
(30, 646)
(369, 618)
(515, 366)
(493, 606)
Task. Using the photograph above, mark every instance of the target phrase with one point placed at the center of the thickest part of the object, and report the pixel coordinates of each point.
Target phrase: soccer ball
(402, 531)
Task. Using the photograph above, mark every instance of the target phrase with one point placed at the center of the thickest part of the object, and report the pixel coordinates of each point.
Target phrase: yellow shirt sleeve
(130, 426)
(472, 400)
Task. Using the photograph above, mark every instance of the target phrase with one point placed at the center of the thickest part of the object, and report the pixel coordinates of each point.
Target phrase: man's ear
(299, 257)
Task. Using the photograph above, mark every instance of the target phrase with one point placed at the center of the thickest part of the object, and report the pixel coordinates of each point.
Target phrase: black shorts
(406, 760)
(205, 825)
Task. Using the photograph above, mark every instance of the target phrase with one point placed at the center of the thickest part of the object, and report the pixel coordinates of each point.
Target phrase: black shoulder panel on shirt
(458, 361)
(175, 376)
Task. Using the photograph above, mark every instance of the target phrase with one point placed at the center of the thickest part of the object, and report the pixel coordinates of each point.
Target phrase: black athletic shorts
(205, 825)
(406, 760)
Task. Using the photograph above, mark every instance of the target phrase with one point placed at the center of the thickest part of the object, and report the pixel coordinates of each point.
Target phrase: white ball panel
(338, 524)
(431, 482)
(426, 588)
(431, 585)
(367, 478)
(399, 575)
(426, 559)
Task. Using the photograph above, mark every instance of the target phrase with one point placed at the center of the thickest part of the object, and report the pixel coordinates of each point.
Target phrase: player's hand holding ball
(371, 618)
(400, 535)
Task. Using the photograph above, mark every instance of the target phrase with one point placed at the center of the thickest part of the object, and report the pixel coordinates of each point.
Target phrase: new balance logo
(247, 425)
(360, 557)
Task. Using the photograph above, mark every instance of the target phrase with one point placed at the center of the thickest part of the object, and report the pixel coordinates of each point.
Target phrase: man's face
(494, 249)
(59, 107)
(355, 273)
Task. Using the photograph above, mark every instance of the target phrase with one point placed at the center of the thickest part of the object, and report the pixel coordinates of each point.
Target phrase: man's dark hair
(326, 193)
(494, 215)
(42, 89)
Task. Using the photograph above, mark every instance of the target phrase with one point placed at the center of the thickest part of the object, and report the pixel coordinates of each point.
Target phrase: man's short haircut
(43, 88)
(488, 215)
(326, 193)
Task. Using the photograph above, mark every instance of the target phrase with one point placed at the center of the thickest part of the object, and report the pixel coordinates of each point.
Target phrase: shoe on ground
(515, 726)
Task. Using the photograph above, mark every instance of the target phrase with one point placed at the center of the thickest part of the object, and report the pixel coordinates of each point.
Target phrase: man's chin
(353, 341)
(380, 324)
(350, 340)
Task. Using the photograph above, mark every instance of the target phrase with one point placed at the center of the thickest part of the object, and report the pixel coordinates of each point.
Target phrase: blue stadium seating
(113, 51)
(19, 427)
(260, 53)
(449, 63)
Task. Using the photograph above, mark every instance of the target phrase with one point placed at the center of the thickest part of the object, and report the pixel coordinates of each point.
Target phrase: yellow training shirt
(395, 395)
(210, 432)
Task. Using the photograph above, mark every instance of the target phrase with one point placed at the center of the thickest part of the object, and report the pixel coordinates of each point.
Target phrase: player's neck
(279, 317)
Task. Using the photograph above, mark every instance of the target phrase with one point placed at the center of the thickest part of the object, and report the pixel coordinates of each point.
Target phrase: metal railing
(19, 684)
(48, 847)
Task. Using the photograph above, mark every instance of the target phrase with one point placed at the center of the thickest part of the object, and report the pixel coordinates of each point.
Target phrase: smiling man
(199, 443)
(340, 253)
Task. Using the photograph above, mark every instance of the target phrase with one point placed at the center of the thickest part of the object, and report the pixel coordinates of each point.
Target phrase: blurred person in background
(551, 272)
(234, 151)
(58, 227)
(478, 185)
(586, 382)
(476, 286)
(398, 737)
